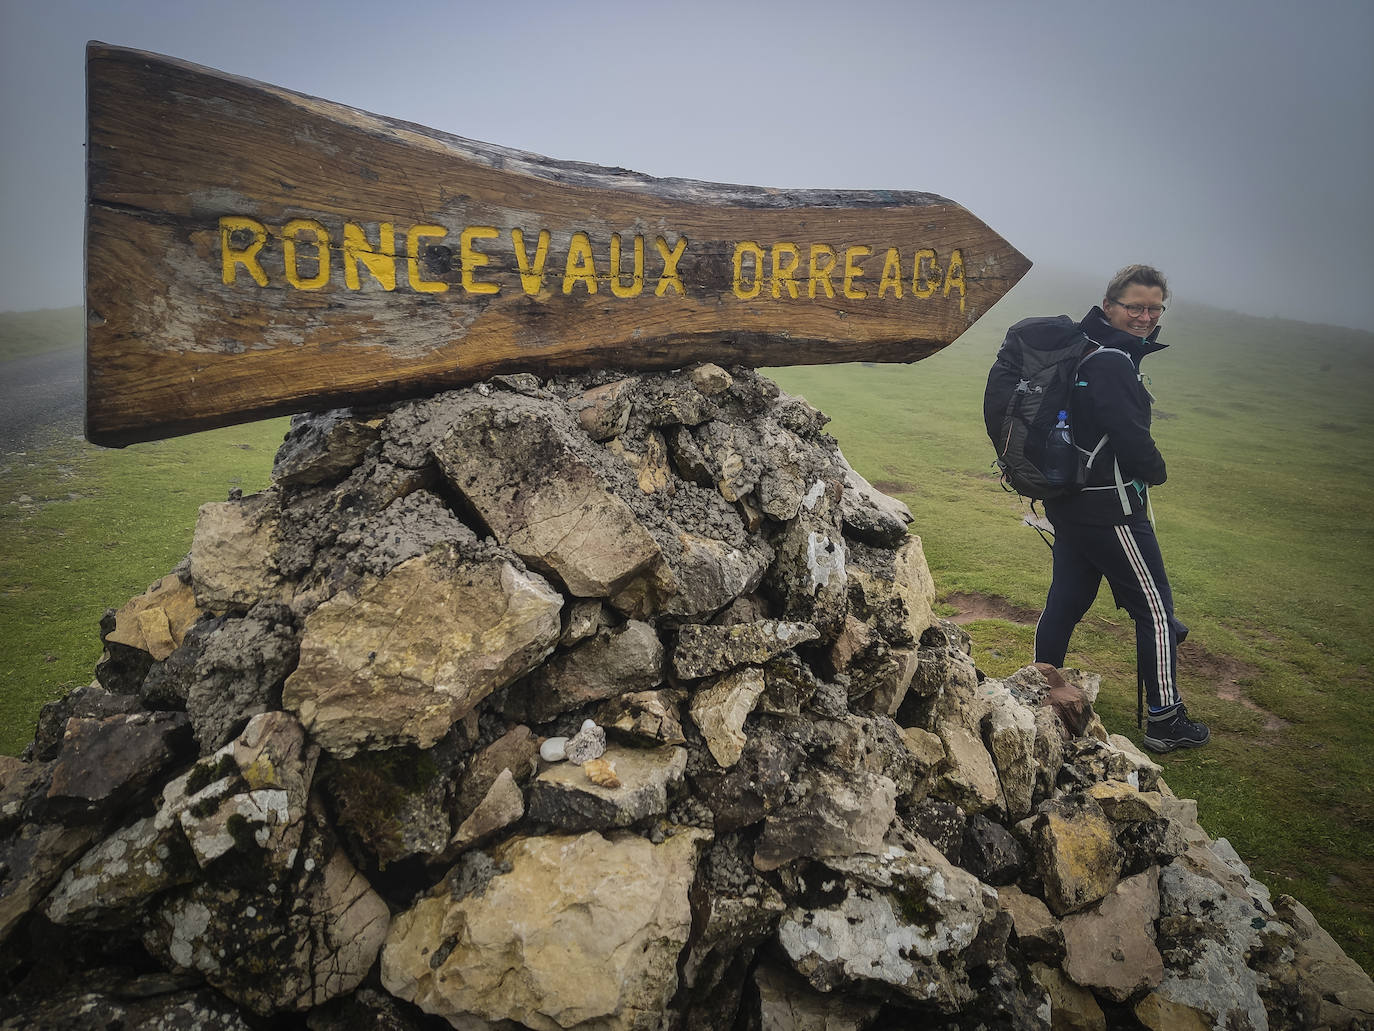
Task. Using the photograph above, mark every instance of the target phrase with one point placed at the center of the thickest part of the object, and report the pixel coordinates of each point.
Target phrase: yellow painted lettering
(474, 259)
(955, 275)
(786, 258)
(852, 271)
(820, 272)
(669, 276)
(531, 272)
(755, 252)
(380, 260)
(413, 248)
(231, 256)
(636, 284)
(924, 282)
(580, 268)
(892, 274)
(289, 232)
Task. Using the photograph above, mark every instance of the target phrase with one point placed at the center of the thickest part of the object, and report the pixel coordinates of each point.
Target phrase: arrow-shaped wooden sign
(251, 251)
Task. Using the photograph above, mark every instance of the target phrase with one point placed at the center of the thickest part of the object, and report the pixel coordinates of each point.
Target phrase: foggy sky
(1228, 142)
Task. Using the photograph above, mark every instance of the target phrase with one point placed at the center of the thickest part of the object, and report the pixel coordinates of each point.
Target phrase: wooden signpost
(252, 251)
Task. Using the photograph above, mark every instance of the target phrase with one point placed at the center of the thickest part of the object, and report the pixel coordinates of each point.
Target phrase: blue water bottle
(1061, 457)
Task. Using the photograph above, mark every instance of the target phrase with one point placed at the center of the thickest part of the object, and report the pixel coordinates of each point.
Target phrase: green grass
(1267, 528)
(1265, 524)
(24, 333)
(84, 529)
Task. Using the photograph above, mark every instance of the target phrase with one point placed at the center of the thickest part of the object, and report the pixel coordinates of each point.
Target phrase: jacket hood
(1100, 331)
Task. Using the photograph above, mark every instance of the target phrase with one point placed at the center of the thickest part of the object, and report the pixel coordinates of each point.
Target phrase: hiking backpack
(1029, 385)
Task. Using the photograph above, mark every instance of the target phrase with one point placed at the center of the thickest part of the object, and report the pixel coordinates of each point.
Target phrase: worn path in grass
(40, 394)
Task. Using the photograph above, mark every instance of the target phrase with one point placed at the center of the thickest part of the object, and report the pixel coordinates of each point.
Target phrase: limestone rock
(403, 657)
(971, 778)
(1075, 852)
(502, 805)
(323, 446)
(832, 815)
(1072, 1008)
(581, 619)
(1345, 991)
(519, 465)
(990, 852)
(98, 1007)
(112, 883)
(787, 1003)
(710, 379)
(645, 717)
(1110, 948)
(1035, 928)
(1208, 933)
(720, 708)
(157, 620)
(233, 552)
(580, 932)
(288, 940)
(613, 662)
(604, 411)
(514, 750)
(250, 796)
(893, 590)
(1011, 743)
(703, 650)
(869, 515)
(563, 797)
(393, 806)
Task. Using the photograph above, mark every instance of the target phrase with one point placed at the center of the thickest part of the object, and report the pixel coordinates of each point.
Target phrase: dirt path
(41, 395)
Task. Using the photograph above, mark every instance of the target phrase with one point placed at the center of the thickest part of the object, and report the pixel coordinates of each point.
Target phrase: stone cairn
(603, 703)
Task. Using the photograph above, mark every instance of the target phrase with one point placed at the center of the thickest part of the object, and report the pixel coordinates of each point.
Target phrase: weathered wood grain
(252, 251)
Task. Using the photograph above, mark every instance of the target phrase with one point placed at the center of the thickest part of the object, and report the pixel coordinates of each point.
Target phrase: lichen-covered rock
(283, 941)
(1075, 852)
(646, 717)
(704, 650)
(579, 932)
(239, 672)
(402, 658)
(900, 920)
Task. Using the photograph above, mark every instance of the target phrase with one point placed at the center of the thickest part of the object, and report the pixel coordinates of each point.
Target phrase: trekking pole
(1139, 700)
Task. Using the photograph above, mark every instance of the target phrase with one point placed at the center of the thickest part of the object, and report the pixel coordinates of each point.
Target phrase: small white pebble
(553, 749)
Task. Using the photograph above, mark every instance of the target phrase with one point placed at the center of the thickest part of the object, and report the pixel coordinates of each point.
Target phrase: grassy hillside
(1267, 528)
(1265, 524)
(31, 332)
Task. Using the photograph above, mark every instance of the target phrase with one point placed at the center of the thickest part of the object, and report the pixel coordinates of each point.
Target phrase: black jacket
(1109, 398)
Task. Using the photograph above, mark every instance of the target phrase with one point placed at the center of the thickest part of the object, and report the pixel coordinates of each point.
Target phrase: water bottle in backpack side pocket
(1061, 456)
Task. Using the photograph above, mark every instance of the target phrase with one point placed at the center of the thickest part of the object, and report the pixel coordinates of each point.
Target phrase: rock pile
(603, 704)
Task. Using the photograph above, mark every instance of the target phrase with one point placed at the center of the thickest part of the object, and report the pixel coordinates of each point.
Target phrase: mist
(1228, 144)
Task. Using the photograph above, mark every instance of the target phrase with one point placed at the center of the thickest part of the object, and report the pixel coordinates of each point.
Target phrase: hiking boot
(1175, 731)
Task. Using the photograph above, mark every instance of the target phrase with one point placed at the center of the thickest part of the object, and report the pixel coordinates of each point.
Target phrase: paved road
(41, 395)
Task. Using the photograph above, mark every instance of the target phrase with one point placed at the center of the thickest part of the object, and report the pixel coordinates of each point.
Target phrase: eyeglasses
(1137, 310)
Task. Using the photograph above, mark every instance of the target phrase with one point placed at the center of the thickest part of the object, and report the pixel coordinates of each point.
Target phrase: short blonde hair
(1144, 275)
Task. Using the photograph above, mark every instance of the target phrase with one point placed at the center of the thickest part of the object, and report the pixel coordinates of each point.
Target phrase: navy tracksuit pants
(1129, 557)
